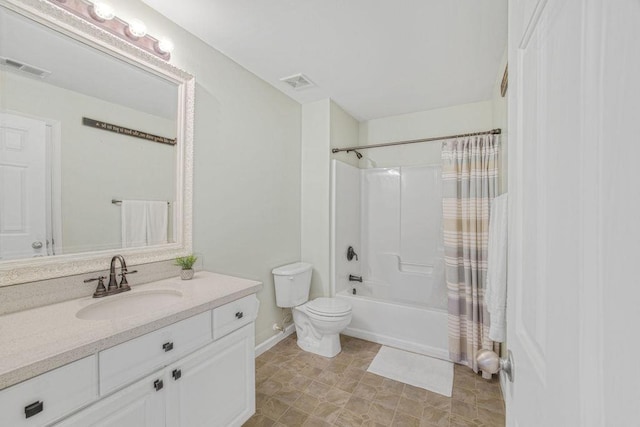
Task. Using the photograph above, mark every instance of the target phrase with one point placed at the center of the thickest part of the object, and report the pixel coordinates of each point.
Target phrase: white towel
(157, 218)
(496, 289)
(134, 223)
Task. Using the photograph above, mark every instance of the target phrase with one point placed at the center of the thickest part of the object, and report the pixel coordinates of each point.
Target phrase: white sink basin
(128, 304)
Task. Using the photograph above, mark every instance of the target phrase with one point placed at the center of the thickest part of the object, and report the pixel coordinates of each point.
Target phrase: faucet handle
(100, 290)
(123, 274)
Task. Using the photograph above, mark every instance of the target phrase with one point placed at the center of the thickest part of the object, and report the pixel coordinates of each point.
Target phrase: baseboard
(266, 345)
(503, 386)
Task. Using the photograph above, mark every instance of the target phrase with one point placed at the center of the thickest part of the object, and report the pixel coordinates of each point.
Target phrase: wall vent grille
(13, 64)
(298, 81)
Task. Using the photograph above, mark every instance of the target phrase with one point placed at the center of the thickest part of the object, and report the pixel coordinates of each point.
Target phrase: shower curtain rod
(413, 141)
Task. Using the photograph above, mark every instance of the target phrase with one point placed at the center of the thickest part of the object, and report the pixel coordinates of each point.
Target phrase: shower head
(357, 154)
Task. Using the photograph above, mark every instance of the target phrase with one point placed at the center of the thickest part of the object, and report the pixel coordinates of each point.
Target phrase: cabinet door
(142, 404)
(216, 385)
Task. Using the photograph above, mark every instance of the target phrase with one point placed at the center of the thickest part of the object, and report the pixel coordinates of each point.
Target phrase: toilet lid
(329, 306)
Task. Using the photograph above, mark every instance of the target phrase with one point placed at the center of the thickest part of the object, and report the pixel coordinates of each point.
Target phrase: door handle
(489, 361)
(36, 245)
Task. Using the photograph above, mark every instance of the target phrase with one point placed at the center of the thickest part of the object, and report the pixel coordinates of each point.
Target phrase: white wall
(324, 125)
(315, 233)
(247, 164)
(344, 132)
(97, 166)
(424, 124)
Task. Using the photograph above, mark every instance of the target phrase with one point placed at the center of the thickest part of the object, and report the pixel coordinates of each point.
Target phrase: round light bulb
(164, 45)
(136, 29)
(101, 12)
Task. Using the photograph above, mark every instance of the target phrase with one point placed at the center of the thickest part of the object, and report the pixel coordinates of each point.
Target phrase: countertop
(44, 338)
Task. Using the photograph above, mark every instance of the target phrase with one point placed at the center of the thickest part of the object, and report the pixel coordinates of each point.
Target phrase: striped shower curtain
(469, 184)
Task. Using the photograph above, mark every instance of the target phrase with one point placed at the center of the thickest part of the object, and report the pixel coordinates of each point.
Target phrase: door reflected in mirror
(67, 187)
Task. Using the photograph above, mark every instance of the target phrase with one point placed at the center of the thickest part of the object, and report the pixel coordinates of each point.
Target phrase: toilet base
(327, 346)
(317, 339)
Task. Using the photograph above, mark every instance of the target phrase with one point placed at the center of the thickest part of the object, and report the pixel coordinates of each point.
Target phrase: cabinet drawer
(49, 396)
(231, 316)
(134, 359)
(138, 405)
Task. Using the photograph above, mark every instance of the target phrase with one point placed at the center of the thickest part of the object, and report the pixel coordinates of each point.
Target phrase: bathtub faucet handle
(351, 253)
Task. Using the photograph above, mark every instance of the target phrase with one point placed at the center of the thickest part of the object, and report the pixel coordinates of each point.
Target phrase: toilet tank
(292, 282)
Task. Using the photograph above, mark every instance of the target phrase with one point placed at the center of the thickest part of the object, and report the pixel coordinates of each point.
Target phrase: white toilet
(318, 322)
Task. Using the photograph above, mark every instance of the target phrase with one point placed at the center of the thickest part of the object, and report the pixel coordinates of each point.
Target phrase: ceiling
(375, 58)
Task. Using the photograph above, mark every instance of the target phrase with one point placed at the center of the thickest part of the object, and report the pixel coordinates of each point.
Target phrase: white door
(574, 242)
(23, 231)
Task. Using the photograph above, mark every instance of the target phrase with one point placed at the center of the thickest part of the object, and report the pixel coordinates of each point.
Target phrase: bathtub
(396, 323)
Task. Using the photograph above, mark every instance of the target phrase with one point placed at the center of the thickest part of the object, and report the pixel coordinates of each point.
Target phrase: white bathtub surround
(345, 224)
(397, 219)
(470, 182)
(496, 294)
(401, 232)
(415, 369)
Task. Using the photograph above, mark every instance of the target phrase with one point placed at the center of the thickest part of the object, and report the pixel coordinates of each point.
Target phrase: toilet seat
(328, 307)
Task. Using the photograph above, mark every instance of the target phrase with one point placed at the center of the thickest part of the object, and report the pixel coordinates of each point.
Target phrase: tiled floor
(296, 388)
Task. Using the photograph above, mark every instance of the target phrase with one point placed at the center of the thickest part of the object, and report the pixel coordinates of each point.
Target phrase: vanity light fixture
(101, 12)
(164, 45)
(135, 29)
(103, 16)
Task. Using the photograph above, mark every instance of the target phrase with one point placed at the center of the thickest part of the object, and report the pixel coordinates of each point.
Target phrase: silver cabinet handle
(36, 245)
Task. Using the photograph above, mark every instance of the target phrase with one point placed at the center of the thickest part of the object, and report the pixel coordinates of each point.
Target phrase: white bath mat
(410, 368)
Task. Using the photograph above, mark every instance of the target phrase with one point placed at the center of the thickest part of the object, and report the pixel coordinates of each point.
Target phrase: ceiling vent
(298, 81)
(12, 64)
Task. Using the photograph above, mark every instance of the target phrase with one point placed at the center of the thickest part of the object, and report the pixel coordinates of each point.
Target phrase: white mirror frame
(27, 270)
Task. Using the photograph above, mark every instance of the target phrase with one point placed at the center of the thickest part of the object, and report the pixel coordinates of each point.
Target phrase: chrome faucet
(114, 287)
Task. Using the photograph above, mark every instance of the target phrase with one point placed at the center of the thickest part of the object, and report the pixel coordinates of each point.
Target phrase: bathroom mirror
(95, 147)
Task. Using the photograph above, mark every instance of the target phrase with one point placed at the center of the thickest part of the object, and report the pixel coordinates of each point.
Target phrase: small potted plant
(186, 262)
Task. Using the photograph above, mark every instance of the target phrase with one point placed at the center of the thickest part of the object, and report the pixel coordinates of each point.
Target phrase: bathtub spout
(353, 278)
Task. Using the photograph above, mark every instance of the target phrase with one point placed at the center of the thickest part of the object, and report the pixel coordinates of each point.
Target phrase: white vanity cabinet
(216, 385)
(131, 360)
(47, 397)
(212, 386)
(141, 404)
